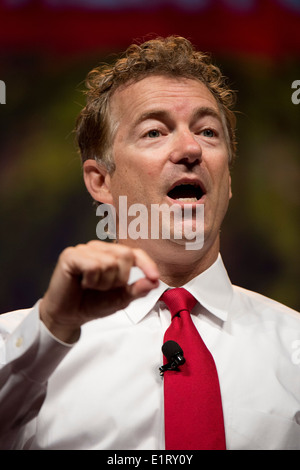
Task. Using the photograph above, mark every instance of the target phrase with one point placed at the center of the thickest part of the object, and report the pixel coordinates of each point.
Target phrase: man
(81, 369)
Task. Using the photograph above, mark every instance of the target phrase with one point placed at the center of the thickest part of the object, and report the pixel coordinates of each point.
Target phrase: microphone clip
(174, 354)
(178, 361)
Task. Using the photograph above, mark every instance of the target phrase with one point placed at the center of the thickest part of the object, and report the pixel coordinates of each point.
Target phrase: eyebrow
(206, 111)
(160, 114)
(152, 114)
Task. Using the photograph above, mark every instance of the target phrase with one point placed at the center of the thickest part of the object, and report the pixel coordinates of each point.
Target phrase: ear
(97, 181)
(230, 189)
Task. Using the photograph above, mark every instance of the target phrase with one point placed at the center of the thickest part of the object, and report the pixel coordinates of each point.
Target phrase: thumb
(142, 287)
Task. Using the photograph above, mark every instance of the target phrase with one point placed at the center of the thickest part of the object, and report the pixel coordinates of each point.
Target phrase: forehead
(176, 95)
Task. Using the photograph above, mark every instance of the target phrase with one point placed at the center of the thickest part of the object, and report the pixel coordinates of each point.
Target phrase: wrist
(62, 331)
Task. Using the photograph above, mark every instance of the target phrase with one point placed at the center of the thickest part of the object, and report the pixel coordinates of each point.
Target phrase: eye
(208, 133)
(153, 134)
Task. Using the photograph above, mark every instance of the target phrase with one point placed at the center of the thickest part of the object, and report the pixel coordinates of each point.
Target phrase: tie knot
(178, 299)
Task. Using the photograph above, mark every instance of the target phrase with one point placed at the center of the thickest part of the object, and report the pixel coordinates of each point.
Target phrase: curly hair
(173, 56)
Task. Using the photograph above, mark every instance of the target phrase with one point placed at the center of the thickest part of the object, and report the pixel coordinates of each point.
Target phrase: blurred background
(46, 49)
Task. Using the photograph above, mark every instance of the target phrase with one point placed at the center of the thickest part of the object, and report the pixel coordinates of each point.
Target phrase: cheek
(224, 194)
(224, 187)
(221, 182)
(131, 183)
(219, 169)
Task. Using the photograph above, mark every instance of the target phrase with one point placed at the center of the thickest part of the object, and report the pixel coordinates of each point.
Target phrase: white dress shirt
(105, 392)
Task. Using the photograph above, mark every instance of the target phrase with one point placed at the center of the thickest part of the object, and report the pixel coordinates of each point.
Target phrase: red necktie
(193, 406)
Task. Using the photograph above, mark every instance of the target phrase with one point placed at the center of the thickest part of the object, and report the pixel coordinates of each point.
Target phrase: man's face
(170, 147)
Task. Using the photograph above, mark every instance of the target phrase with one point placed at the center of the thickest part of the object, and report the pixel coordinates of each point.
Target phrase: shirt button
(19, 342)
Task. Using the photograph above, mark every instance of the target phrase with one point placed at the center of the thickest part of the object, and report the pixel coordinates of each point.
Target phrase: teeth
(187, 199)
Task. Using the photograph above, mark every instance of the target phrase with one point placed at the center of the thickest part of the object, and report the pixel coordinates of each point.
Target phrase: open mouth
(186, 192)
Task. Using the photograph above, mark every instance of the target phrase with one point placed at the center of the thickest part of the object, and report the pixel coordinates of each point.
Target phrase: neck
(176, 273)
(176, 265)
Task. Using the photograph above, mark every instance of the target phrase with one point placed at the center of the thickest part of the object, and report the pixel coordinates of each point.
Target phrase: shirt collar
(212, 289)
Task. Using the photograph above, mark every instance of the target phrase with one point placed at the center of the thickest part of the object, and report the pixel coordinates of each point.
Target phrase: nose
(186, 149)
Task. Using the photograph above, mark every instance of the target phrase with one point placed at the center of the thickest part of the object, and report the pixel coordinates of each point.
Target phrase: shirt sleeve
(29, 354)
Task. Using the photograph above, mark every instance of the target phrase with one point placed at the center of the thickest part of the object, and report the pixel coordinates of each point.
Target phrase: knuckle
(67, 253)
(95, 243)
(126, 252)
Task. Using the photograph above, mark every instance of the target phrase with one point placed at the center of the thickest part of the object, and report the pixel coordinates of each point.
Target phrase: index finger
(143, 261)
